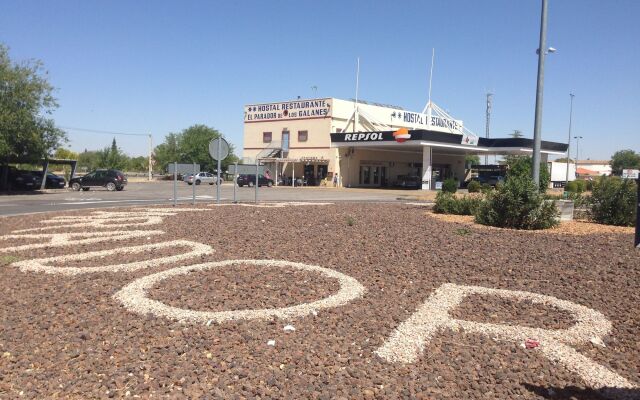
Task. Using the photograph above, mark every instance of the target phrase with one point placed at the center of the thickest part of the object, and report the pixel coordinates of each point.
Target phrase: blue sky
(161, 66)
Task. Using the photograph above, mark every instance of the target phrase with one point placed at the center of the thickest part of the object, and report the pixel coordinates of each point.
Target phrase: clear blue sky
(161, 66)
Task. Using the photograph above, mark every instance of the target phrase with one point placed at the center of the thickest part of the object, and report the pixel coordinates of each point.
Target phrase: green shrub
(589, 185)
(613, 201)
(571, 187)
(474, 187)
(448, 203)
(517, 204)
(486, 188)
(450, 185)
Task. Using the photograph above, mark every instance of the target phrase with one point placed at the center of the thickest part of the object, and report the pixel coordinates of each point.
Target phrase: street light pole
(577, 138)
(569, 141)
(537, 125)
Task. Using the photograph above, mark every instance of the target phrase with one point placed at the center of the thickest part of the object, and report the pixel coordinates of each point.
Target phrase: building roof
(590, 162)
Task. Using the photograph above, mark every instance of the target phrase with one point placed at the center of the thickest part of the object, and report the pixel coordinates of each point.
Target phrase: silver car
(202, 177)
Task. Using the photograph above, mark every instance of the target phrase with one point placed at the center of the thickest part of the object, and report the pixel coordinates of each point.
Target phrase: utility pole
(537, 125)
(577, 138)
(569, 140)
(488, 119)
(150, 155)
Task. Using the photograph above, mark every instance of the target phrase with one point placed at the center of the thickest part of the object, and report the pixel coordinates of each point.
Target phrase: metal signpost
(218, 150)
(257, 182)
(175, 184)
(637, 241)
(235, 181)
(193, 183)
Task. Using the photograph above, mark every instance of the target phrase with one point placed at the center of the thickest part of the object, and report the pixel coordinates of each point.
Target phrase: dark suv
(111, 179)
(250, 180)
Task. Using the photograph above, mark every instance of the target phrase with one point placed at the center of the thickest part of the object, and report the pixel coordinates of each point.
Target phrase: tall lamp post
(537, 125)
(569, 140)
(577, 138)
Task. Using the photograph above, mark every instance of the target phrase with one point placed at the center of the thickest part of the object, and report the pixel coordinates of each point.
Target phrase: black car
(111, 179)
(24, 180)
(53, 181)
(250, 180)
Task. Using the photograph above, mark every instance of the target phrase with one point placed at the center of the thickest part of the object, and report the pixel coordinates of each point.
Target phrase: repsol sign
(363, 137)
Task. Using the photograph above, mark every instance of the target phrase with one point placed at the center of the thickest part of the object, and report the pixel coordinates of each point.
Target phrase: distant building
(593, 168)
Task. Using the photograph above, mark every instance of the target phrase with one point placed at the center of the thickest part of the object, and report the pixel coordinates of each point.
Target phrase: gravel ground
(67, 336)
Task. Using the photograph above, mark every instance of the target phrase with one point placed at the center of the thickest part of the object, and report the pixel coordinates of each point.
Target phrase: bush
(517, 204)
(474, 187)
(571, 187)
(448, 203)
(450, 185)
(486, 188)
(613, 201)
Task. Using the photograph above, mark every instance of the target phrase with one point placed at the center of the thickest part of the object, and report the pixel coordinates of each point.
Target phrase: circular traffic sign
(218, 148)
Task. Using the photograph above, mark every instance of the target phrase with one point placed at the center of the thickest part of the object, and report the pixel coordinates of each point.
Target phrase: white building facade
(366, 144)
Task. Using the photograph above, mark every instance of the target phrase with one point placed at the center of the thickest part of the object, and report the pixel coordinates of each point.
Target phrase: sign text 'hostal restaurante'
(366, 144)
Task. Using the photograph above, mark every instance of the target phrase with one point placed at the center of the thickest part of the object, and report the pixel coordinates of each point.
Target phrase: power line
(103, 132)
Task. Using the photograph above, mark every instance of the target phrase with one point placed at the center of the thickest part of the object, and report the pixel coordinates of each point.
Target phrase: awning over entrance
(422, 137)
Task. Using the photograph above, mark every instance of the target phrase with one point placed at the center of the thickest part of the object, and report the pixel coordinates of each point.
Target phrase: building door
(372, 175)
(285, 141)
(365, 175)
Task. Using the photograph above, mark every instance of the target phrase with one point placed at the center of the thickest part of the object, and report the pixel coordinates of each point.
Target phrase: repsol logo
(362, 137)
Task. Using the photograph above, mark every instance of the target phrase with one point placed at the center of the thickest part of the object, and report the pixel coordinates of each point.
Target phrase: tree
(65, 154)
(138, 164)
(26, 101)
(167, 152)
(112, 157)
(471, 159)
(520, 166)
(623, 159)
(516, 134)
(564, 160)
(88, 160)
(189, 146)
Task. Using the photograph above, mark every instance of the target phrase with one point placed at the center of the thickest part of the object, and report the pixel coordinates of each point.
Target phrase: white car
(202, 177)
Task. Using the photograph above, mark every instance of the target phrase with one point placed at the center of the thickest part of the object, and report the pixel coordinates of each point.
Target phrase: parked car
(111, 179)
(24, 180)
(491, 180)
(53, 181)
(250, 180)
(202, 177)
(409, 182)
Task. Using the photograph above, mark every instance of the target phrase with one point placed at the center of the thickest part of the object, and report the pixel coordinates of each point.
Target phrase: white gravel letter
(408, 341)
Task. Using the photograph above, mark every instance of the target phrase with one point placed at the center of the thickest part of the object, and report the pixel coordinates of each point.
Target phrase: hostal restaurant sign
(298, 109)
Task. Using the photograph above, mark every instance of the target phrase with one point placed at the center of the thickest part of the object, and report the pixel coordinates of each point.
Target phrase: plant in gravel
(517, 204)
(474, 187)
(448, 203)
(521, 166)
(486, 188)
(463, 231)
(613, 201)
(351, 221)
(6, 260)
(450, 185)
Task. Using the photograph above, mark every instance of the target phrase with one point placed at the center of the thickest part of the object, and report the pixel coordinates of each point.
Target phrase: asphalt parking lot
(162, 193)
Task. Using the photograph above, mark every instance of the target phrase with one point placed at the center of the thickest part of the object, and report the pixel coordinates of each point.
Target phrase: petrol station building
(367, 144)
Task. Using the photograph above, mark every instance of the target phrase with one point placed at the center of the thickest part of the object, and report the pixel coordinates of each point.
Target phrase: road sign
(218, 149)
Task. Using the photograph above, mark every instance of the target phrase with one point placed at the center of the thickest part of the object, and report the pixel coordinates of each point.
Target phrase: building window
(302, 136)
(266, 137)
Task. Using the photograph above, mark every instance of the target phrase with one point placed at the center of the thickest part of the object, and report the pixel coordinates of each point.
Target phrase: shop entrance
(373, 176)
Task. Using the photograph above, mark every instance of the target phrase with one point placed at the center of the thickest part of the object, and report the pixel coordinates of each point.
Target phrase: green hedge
(517, 204)
(448, 203)
(613, 201)
(450, 185)
(474, 187)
